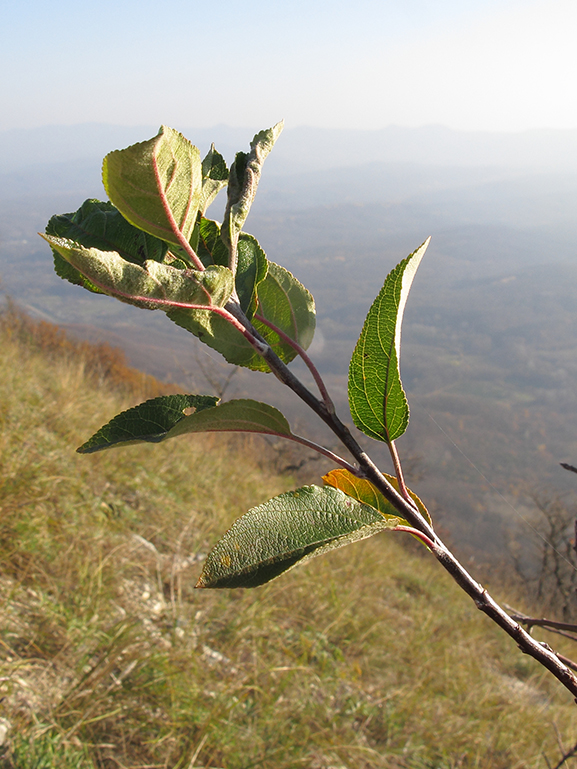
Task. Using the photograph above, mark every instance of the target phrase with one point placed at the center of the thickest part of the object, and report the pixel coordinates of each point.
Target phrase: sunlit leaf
(243, 182)
(141, 286)
(156, 184)
(167, 417)
(285, 302)
(98, 224)
(285, 531)
(252, 264)
(376, 397)
(364, 491)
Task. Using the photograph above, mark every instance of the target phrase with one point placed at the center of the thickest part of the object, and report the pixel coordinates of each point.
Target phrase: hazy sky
(468, 64)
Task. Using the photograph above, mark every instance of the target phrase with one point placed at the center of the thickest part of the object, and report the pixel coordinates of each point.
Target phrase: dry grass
(367, 658)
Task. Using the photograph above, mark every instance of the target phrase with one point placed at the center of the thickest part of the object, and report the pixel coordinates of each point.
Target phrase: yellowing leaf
(363, 490)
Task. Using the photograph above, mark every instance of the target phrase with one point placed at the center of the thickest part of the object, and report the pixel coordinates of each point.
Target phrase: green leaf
(150, 422)
(165, 417)
(242, 185)
(376, 397)
(214, 178)
(364, 491)
(211, 249)
(251, 270)
(252, 263)
(285, 531)
(156, 185)
(141, 286)
(98, 224)
(285, 302)
(282, 300)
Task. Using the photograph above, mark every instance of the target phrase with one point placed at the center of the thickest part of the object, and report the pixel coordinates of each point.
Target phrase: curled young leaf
(165, 417)
(242, 185)
(288, 530)
(376, 397)
(156, 184)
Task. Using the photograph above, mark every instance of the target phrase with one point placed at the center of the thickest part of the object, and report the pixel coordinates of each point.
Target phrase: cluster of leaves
(152, 246)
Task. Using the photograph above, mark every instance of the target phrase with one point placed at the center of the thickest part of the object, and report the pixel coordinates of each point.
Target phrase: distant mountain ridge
(306, 148)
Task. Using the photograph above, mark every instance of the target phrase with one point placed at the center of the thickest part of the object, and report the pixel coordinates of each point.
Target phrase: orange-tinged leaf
(363, 491)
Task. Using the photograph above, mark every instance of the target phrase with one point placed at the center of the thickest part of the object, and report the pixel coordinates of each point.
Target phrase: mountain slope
(369, 657)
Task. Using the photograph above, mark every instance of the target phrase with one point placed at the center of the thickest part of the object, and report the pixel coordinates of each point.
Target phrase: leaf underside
(156, 185)
(154, 285)
(288, 530)
(377, 400)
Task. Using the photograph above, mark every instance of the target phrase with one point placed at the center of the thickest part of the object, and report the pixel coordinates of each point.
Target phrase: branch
(484, 602)
(559, 628)
(303, 354)
(566, 756)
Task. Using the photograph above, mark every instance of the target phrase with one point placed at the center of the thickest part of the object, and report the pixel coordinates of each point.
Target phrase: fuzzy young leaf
(152, 286)
(156, 184)
(283, 300)
(376, 397)
(98, 224)
(242, 185)
(165, 417)
(364, 491)
(288, 530)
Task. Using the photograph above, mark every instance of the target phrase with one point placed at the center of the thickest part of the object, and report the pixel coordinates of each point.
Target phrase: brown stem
(476, 591)
(322, 450)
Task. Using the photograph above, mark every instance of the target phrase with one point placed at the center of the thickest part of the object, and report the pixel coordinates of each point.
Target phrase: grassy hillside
(367, 658)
